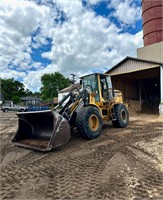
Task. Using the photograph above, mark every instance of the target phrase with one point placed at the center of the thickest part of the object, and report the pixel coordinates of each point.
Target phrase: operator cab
(100, 85)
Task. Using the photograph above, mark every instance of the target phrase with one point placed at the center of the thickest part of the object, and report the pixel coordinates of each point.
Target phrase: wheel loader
(85, 109)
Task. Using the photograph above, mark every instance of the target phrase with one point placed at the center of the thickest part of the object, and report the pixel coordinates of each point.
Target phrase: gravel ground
(120, 164)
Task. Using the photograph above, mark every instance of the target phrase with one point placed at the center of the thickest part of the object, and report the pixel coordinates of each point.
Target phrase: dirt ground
(120, 164)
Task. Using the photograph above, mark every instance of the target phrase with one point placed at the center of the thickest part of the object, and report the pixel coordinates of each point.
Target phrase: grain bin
(152, 14)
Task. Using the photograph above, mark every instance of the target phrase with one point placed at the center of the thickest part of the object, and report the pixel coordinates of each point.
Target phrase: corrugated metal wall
(132, 66)
(152, 52)
(130, 89)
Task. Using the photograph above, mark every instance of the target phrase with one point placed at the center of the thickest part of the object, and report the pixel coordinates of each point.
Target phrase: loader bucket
(41, 130)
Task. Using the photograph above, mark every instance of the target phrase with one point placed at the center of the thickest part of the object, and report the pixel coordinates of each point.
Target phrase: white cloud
(71, 8)
(83, 43)
(94, 2)
(8, 73)
(125, 11)
(18, 20)
(33, 80)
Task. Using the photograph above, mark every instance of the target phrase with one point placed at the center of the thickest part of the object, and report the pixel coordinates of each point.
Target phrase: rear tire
(122, 116)
(89, 122)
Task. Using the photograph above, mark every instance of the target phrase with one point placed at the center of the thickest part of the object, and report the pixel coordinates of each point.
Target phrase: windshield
(91, 85)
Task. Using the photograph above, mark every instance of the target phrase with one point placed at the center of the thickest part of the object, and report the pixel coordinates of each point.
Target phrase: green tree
(52, 83)
(12, 90)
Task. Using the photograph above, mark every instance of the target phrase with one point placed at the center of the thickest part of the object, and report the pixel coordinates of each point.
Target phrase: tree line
(13, 90)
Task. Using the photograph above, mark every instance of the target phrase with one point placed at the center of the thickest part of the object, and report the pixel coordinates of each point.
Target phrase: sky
(67, 36)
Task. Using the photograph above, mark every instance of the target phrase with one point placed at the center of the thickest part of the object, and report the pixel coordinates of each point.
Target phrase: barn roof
(131, 64)
(68, 89)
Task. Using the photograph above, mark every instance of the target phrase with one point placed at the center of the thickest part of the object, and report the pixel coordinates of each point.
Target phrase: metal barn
(141, 82)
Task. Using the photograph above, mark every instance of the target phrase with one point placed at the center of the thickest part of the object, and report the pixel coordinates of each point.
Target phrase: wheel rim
(93, 122)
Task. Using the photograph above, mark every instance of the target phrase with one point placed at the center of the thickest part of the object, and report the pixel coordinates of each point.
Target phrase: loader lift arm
(74, 101)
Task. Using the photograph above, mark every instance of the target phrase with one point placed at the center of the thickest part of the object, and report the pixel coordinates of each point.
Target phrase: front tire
(89, 122)
(5, 110)
(122, 116)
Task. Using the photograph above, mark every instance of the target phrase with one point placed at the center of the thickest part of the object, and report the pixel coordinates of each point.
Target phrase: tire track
(75, 170)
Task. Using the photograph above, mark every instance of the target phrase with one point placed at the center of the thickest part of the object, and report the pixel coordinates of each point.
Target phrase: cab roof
(102, 74)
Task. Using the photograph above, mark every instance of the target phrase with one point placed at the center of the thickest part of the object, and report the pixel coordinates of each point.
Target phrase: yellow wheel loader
(86, 109)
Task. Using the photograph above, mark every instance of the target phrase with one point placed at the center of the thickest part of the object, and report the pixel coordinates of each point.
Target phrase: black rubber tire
(5, 110)
(122, 116)
(84, 124)
(21, 110)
